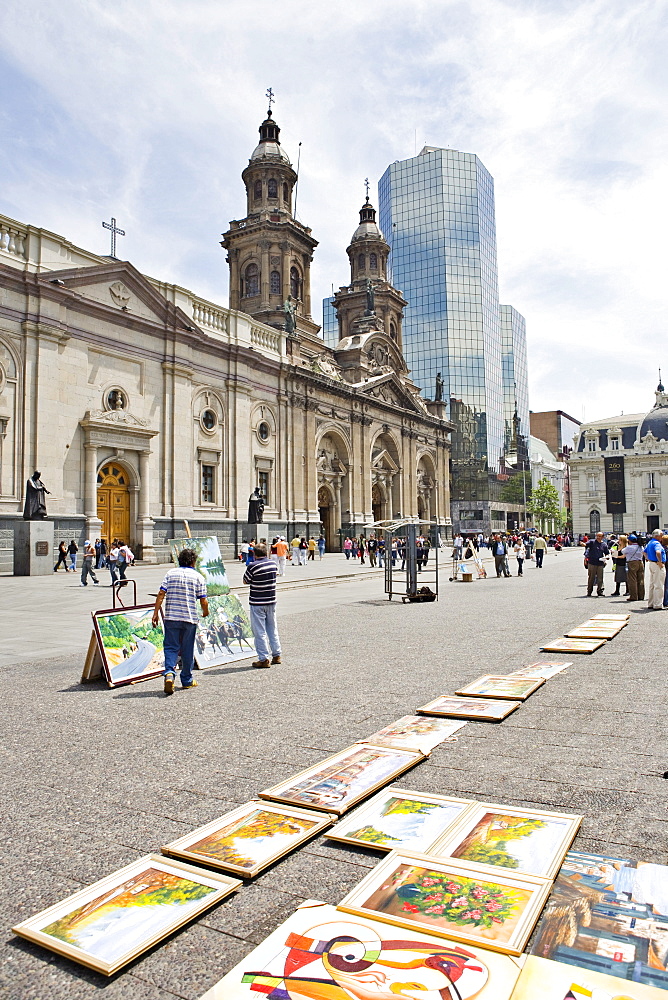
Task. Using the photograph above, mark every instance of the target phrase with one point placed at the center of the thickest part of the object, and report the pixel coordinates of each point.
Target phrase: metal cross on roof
(366, 185)
(270, 98)
(115, 231)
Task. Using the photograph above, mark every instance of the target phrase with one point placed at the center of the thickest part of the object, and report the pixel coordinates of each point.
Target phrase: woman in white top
(520, 555)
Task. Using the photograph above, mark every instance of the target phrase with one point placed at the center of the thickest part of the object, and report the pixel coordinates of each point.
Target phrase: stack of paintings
(501, 686)
(414, 732)
(485, 710)
(131, 647)
(565, 645)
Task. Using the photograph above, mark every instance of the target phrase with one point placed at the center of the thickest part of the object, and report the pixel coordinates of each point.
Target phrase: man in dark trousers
(596, 554)
(500, 553)
(180, 591)
(261, 575)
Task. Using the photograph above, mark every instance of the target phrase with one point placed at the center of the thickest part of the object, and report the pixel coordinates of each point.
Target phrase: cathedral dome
(367, 226)
(656, 420)
(269, 146)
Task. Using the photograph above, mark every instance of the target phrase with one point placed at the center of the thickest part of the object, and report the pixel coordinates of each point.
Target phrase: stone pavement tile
(29, 889)
(310, 876)
(76, 859)
(349, 853)
(638, 830)
(617, 848)
(194, 810)
(59, 979)
(253, 913)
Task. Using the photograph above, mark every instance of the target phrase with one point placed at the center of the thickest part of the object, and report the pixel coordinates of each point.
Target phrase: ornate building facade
(143, 404)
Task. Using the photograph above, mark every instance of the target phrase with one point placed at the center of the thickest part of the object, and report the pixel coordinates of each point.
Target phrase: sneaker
(276, 659)
(261, 663)
(96, 583)
(187, 687)
(83, 584)
(169, 684)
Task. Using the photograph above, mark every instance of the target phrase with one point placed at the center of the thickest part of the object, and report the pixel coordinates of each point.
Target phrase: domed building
(619, 471)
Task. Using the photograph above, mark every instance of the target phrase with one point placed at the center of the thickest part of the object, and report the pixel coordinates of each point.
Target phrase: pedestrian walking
(72, 550)
(520, 554)
(380, 553)
(426, 546)
(311, 549)
(322, 545)
(656, 560)
(62, 558)
(261, 577)
(282, 550)
(103, 553)
(619, 563)
(457, 547)
(294, 545)
(180, 591)
(97, 553)
(372, 549)
(125, 559)
(596, 556)
(500, 553)
(273, 551)
(635, 569)
(243, 551)
(539, 548)
(303, 549)
(112, 561)
(87, 565)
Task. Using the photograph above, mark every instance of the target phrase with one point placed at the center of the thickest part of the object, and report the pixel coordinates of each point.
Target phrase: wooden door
(113, 502)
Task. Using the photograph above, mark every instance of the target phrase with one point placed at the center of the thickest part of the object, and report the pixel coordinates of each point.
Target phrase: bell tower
(269, 253)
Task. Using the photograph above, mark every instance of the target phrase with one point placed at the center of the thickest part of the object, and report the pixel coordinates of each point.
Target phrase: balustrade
(12, 239)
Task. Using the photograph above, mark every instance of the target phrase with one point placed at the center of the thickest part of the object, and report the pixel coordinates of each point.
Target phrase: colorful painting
(113, 921)
(338, 783)
(398, 819)
(525, 840)
(564, 645)
(545, 669)
(130, 646)
(599, 631)
(542, 979)
(225, 635)
(463, 901)
(320, 953)
(608, 915)
(249, 838)
(415, 732)
(610, 618)
(209, 561)
(501, 686)
(470, 708)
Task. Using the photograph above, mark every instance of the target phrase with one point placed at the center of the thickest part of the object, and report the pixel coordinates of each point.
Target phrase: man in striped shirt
(261, 575)
(180, 591)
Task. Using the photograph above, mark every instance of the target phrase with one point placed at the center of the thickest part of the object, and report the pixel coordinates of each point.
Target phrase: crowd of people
(629, 557)
(96, 555)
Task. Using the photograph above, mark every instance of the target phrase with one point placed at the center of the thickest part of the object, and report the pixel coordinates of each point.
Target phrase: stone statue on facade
(256, 507)
(34, 508)
(438, 395)
(370, 299)
(290, 324)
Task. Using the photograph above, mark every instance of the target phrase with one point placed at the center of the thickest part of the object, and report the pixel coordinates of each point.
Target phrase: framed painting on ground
(542, 979)
(527, 840)
(501, 686)
(226, 634)
(130, 647)
(470, 708)
(564, 645)
(320, 953)
(399, 819)
(339, 782)
(209, 561)
(603, 623)
(415, 732)
(458, 900)
(546, 669)
(610, 618)
(247, 839)
(593, 632)
(113, 921)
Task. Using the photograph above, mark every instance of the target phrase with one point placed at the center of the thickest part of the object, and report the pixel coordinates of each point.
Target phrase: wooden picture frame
(487, 833)
(225, 636)
(592, 632)
(119, 629)
(610, 618)
(293, 826)
(543, 979)
(565, 645)
(415, 732)
(478, 709)
(545, 669)
(450, 899)
(501, 686)
(425, 830)
(339, 782)
(209, 561)
(112, 949)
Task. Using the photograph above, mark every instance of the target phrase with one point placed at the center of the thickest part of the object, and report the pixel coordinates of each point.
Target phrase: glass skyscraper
(437, 213)
(330, 322)
(516, 429)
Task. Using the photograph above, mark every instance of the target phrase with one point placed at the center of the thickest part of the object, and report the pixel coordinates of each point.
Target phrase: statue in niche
(290, 324)
(438, 395)
(256, 507)
(34, 508)
(370, 299)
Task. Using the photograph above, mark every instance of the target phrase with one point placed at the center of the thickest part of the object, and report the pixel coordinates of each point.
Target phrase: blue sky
(148, 110)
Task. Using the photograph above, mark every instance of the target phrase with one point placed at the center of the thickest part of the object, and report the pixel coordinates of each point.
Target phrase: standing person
(303, 549)
(87, 564)
(97, 553)
(596, 555)
(500, 553)
(656, 560)
(311, 549)
(262, 602)
(125, 558)
(180, 591)
(539, 548)
(380, 552)
(243, 551)
(362, 549)
(62, 558)
(273, 551)
(458, 547)
(520, 554)
(112, 561)
(72, 550)
(282, 550)
(322, 545)
(294, 545)
(103, 553)
(619, 562)
(372, 548)
(419, 552)
(635, 569)
(347, 546)
(401, 551)
(426, 546)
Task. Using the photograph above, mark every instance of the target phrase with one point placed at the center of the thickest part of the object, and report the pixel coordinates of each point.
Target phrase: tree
(517, 489)
(544, 504)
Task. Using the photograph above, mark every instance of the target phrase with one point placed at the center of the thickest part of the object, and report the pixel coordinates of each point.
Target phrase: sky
(148, 110)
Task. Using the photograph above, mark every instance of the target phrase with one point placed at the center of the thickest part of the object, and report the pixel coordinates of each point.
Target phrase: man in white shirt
(180, 591)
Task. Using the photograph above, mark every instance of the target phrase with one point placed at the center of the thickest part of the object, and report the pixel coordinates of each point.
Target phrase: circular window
(264, 431)
(116, 399)
(209, 420)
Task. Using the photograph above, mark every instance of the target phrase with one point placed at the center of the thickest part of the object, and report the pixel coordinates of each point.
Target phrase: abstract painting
(399, 819)
(249, 838)
(209, 561)
(415, 732)
(339, 782)
(459, 900)
(226, 634)
(130, 646)
(608, 915)
(545, 668)
(573, 645)
(111, 922)
(526, 840)
(501, 686)
(470, 708)
(320, 953)
(542, 979)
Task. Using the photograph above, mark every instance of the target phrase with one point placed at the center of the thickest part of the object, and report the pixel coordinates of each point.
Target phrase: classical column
(144, 520)
(264, 275)
(306, 290)
(93, 523)
(285, 269)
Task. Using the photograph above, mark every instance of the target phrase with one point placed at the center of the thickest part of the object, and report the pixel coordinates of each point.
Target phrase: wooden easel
(93, 662)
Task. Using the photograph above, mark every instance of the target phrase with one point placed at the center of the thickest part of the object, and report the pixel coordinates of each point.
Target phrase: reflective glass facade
(516, 429)
(330, 323)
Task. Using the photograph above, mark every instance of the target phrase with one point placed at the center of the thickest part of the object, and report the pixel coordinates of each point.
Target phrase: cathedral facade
(144, 405)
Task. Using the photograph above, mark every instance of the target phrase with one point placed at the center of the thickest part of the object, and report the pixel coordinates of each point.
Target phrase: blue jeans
(180, 641)
(265, 632)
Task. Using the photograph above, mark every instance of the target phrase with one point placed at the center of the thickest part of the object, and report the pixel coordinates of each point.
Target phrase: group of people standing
(299, 548)
(630, 554)
(96, 555)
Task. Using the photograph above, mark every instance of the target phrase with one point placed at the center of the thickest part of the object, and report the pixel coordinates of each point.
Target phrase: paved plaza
(95, 778)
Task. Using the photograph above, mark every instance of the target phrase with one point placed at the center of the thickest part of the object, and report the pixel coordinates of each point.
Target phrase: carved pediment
(388, 388)
(116, 417)
(382, 461)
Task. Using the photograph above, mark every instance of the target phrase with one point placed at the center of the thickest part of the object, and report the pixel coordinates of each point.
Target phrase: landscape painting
(542, 979)
(130, 646)
(470, 708)
(400, 819)
(339, 782)
(524, 840)
(108, 924)
(249, 838)
(320, 953)
(209, 561)
(565, 645)
(458, 900)
(226, 634)
(545, 669)
(415, 732)
(501, 686)
(608, 915)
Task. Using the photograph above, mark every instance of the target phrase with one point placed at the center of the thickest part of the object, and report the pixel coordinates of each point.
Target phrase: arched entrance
(326, 517)
(113, 501)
